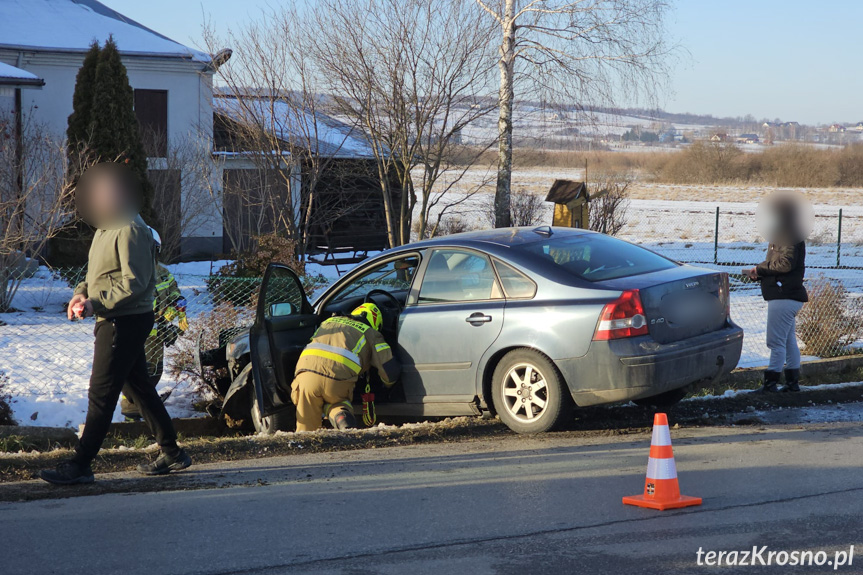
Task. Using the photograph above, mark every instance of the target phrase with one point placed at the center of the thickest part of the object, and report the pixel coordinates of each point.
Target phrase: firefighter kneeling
(340, 351)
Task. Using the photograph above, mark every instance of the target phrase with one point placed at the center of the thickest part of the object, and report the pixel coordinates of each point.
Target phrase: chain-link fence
(47, 358)
(726, 238)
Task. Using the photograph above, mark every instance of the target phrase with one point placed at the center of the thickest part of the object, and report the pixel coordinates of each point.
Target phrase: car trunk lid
(681, 302)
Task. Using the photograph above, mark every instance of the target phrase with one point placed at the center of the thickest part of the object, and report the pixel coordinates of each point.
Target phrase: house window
(151, 109)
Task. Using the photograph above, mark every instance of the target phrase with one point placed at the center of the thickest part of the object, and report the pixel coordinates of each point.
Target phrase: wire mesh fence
(725, 238)
(47, 358)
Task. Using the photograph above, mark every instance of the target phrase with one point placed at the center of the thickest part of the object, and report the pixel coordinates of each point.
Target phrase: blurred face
(785, 218)
(108, 196)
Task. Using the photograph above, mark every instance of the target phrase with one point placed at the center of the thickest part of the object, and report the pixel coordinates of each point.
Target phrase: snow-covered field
(47, 358)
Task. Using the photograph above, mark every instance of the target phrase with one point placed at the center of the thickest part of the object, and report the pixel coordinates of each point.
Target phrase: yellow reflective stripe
(358, 325)
(334, 356)
(360, 345)
(382, 346)
(153, 332)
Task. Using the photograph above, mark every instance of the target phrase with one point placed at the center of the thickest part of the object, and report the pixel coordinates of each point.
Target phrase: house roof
(326, 135)
(565, 191)
(72, 25)
(12, 76)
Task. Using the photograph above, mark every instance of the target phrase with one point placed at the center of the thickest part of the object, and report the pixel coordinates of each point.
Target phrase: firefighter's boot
(342, 417)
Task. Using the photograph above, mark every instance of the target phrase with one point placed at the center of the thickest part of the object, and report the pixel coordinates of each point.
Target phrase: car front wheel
(280, 421)
(529, 394)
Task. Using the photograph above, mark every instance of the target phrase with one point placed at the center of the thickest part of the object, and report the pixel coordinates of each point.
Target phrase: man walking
(118, 291)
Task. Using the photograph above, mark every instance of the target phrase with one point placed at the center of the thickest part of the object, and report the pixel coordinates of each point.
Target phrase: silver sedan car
(524, 323)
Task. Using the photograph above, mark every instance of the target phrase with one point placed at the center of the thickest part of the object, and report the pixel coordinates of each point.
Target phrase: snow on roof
(326, 135)
(17, 76)
(72, 25)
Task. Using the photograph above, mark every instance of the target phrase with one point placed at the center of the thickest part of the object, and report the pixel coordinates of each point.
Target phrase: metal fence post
(839, 241)
(716, 239)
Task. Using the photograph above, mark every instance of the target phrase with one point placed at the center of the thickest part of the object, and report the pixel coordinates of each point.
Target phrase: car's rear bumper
(633, 368)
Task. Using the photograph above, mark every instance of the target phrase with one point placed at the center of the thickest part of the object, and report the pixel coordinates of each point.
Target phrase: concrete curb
(809, 368)
(46, 438)
(42, 438)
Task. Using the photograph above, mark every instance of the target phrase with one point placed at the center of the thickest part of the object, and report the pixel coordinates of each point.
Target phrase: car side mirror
(282, 309)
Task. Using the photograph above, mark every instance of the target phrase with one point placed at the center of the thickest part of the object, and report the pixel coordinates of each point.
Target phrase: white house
(47, 39)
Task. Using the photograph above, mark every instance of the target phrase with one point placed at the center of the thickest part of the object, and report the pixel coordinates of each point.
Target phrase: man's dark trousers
(119, 359)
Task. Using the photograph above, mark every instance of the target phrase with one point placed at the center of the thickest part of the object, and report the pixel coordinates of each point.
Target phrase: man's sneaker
(68, 473)
(166, 464)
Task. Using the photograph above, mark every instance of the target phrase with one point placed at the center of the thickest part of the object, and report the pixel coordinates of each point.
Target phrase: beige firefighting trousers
(310, 392)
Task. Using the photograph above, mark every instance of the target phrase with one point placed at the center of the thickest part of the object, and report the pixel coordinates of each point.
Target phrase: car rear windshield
(596, 257)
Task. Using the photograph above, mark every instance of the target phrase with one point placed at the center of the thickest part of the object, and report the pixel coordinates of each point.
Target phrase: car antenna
(544, 230)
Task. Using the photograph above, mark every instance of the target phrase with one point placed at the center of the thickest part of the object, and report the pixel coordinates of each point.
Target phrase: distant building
(834, 128)
(858, 127)
(748, 139)
(719, 137)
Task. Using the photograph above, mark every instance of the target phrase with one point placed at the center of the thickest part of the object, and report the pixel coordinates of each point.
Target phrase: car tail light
(725, 294)
(624, 317)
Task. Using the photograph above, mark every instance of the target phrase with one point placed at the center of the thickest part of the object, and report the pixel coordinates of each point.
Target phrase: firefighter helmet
(371, 313)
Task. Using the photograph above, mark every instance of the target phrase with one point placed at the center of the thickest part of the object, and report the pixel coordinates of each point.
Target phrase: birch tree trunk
(506, 64)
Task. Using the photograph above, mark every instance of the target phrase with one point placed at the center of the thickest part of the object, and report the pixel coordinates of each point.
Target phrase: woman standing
(781, 276)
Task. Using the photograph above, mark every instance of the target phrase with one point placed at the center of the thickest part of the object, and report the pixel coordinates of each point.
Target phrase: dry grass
(703, 171)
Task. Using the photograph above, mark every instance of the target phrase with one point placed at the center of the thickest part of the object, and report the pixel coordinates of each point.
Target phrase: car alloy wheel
(525, 392)
(529, 394)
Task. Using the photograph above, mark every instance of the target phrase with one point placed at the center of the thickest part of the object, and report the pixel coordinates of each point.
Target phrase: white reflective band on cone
(661, 468)
(661, 435)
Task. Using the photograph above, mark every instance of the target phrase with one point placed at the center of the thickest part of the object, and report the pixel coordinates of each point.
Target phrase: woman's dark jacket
(781, 273)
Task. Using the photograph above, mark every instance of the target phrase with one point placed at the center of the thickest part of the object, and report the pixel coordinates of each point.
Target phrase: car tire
(547, 404)
(280, 421)
(666, 399)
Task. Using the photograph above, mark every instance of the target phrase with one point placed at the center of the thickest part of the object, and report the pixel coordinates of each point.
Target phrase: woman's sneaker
(68, 473)
(166, 464)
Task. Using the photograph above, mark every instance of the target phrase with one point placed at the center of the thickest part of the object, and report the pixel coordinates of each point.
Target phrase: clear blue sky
(789, 59)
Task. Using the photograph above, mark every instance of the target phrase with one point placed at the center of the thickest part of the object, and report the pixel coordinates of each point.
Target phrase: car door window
(458, 275)
(392, 276)
(516, 285)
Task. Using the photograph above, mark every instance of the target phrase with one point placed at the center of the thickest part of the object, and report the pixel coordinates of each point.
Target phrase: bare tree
(276, 116)
(582, 51)
(609, 202)
(411, 74)
(35, 200)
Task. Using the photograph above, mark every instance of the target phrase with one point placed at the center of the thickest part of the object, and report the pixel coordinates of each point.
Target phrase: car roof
(498, 240)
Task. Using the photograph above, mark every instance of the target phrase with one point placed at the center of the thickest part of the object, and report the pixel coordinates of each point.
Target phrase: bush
(796, 165)
(831, 320)
(447, 226)
(608, 211)
(526, 208)
(5, 409)
(213, 327)
(237, 282)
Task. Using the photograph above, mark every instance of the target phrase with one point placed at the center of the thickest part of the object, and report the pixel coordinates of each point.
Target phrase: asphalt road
(521, 505)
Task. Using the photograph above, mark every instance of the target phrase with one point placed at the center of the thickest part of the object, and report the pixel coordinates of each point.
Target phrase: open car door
(284, 324)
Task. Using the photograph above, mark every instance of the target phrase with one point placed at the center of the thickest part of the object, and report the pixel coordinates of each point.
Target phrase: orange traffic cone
(661, 490)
